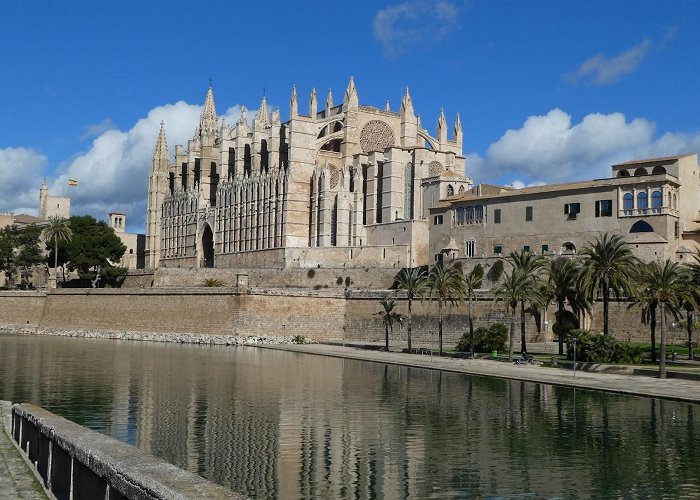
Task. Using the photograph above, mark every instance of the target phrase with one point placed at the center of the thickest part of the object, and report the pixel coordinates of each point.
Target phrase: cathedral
(344, 185)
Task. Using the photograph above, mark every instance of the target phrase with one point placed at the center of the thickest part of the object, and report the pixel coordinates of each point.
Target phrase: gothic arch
(641, 226)
(207, 242)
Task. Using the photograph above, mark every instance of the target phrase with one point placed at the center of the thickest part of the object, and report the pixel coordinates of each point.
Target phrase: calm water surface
(273, 424)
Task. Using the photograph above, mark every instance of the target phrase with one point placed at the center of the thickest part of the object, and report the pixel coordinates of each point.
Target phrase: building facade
(344, 185)
(653, 204)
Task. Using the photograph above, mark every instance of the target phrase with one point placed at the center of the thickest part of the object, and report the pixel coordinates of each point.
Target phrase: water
(273, 424)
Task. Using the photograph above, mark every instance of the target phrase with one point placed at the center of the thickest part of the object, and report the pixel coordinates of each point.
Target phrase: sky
(547, 91)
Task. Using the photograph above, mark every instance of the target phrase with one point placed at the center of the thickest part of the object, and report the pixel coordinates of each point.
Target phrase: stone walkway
(676, 389)
(16, 479)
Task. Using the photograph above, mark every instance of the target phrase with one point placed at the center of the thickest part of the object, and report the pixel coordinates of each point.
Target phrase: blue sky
(548, 91)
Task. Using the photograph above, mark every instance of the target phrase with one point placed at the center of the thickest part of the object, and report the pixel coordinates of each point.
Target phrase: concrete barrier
(75, 462)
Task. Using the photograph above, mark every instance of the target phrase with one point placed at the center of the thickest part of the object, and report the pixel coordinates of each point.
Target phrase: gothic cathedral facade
(345, 185)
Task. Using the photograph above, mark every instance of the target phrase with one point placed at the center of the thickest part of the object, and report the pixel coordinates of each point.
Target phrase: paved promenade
(16, 479)
(634, 385)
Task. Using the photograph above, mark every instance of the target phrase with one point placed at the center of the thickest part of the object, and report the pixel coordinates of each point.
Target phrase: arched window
(623, 173)
(642, 201)
(641, 226)
(658, 170)
(640, 171)
(460, 214)
(450, 190)
(656, 199)
(670, 200)
(479, 212)
(674, 201)
(470, 213)
(568, 247)
(628, 201)
(407, 191)
(461, 190)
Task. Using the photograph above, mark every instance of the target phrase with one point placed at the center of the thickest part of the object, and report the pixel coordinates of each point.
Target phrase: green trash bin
(494, 354)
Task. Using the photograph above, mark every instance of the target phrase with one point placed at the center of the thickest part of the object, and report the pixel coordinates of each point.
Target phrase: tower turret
(43, 200)
(409, 122)
(442, 128)
(313, 104)
(158, 188)
(208, 120)
(457, 134)
(261, 119)
(293, 104)
(329, 101)
(351, 100)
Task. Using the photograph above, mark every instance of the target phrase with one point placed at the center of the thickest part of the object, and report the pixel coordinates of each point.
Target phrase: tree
(666, 284)
(562, 277)
(19, 252)
(472, 282)
(444, 284)
(58, 228)
(92, 246)
(647, 301)
(515, 287)
(690, 306)
(530, 265)
(608, 267)
(414, 282)
(389, 317)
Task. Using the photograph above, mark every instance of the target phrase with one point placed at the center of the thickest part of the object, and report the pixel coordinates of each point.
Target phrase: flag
(72, 182)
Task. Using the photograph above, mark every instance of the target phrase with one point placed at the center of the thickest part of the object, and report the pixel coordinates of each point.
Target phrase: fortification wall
(324, 314)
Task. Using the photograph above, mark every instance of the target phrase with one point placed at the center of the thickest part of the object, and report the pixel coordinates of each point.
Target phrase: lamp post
(673, 335)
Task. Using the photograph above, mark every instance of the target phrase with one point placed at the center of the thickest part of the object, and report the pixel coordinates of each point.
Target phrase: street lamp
(673, 332)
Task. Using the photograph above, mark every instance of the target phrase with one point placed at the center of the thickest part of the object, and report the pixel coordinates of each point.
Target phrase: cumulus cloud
(21, 170)
(551, 148)
(601, 70)
(413, 23)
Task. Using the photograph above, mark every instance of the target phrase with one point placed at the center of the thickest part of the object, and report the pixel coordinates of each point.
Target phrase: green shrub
(496, 271)
(212, 283)
(486, 339)
(478, 271)
(592, 348)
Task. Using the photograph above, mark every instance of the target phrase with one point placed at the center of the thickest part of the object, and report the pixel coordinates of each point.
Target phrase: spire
(262, 116)
(329, 100)
(407, 104)
(293, 104)
(244, 116)
(313, 104)
(208, 119)
(442, 127)
(386, 106)
(351, 99)
(457, 131)
(161, 151)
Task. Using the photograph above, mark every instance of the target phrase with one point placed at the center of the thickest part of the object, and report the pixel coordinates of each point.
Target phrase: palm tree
(515, 287)
(691, 306)
(647, 300)
(444, 284)
(414, 282)
(666, 284)
(471, 283)
(562, 276)
(530, 265)
(608, 267)
(389, 316)
(58, 228)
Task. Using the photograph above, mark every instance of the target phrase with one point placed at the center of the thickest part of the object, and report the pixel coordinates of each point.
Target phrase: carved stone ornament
(435, 168)
(376, 135)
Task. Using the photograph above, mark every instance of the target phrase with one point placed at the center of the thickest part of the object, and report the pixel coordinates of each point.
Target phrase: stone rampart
(321, 314)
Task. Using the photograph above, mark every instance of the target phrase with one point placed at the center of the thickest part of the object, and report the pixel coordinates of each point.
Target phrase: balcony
(468, 222)
(643, 212)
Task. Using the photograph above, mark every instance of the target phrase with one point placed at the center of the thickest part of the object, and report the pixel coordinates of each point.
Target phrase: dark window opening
(545, 249)
(264, 156)
(572, 209)
(197, 171)
(641, 226)
(437, 220)
(213, 184)
(498, 249)
(526, 248)
(183, 175)
(528, 213)
(365, 169)
(171, 182)
(603, 208)
(628, 201)
(380, 190)
(497, 216)
(656, 199)
(231, 162)
(284, 147)
(247, 163)
(658, 170)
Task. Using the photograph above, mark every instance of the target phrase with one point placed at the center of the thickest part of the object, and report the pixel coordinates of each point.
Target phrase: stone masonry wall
(323, 314)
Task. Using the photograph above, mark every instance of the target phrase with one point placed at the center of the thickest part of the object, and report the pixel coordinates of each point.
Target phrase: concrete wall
(322, 314)
(75, 462)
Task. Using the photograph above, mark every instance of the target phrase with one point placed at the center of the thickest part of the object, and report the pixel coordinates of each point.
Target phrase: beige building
(134, 256)
(343, 185)
(52, 206)
(654, 204)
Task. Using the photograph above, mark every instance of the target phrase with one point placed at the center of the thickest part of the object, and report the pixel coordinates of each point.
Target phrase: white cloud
(550, 148)
(603, 71)
(414, 23)
(97, 128)
(21, 170)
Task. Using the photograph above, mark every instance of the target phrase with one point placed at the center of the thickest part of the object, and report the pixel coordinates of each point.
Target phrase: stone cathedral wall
(323, 314)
